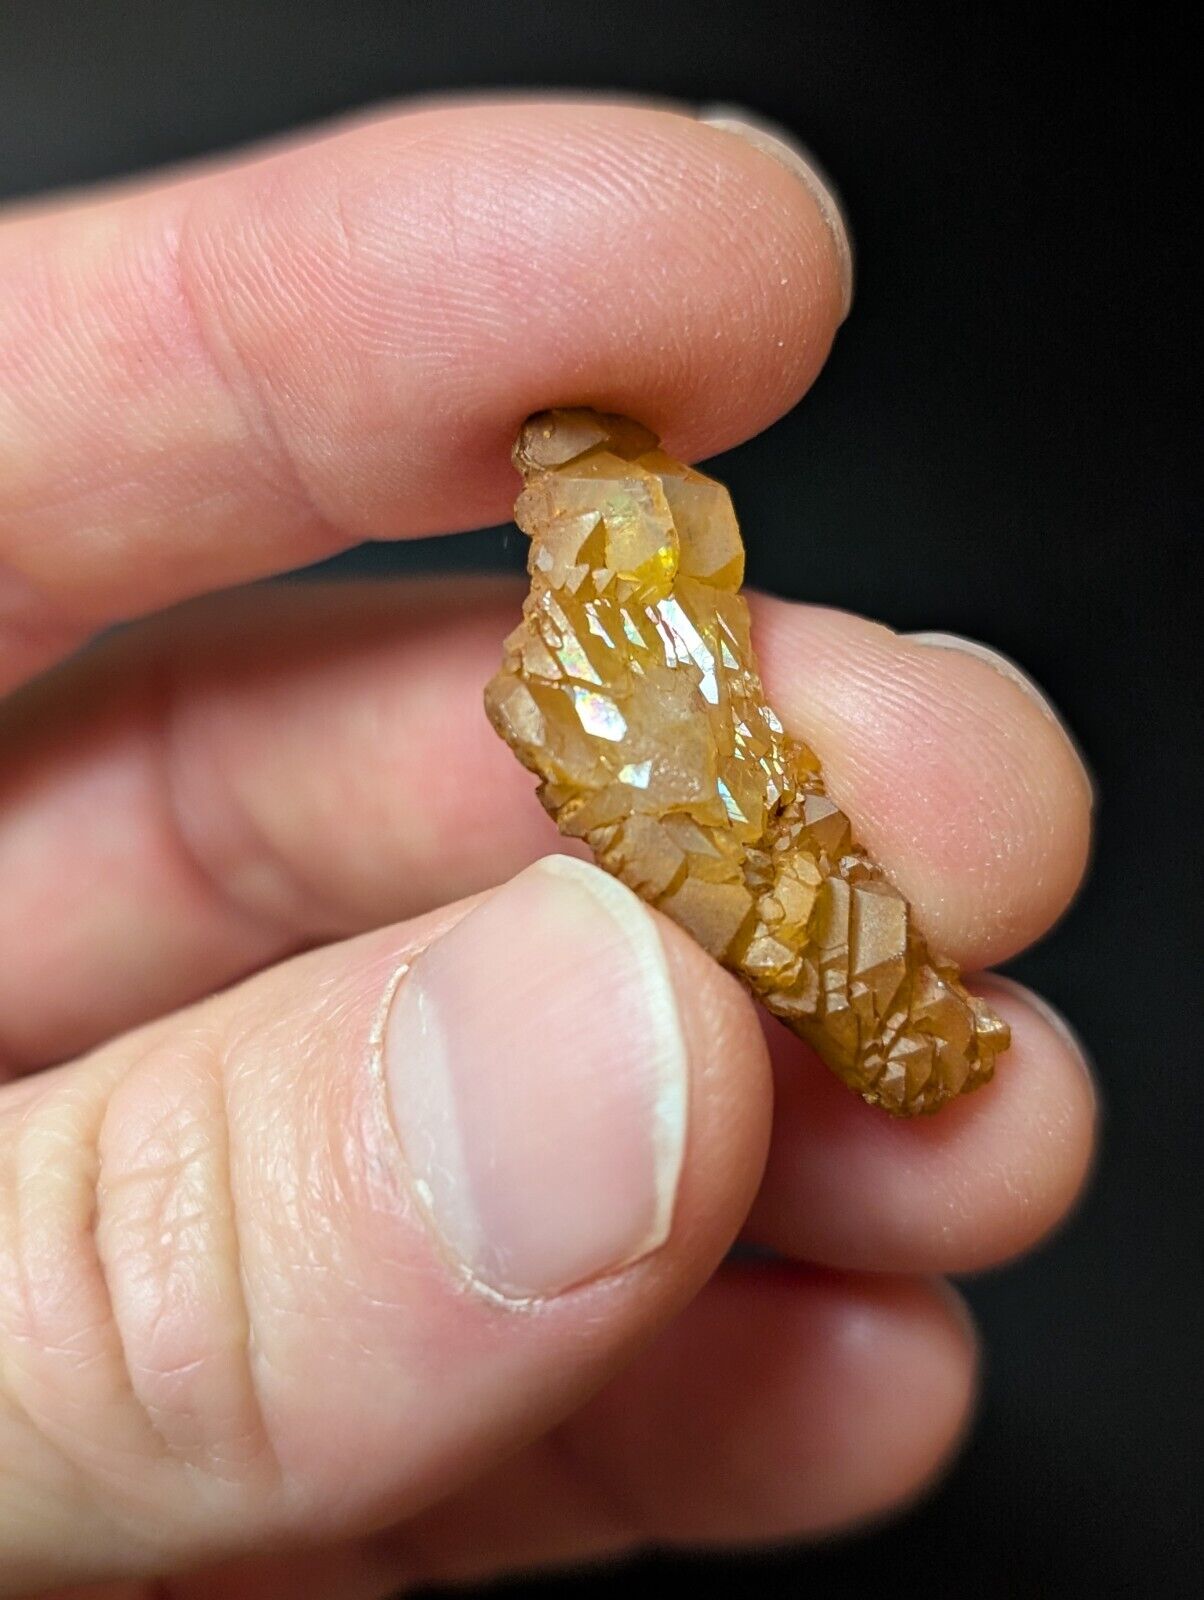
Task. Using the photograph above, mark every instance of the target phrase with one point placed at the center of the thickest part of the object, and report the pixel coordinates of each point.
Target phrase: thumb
(303, 1259)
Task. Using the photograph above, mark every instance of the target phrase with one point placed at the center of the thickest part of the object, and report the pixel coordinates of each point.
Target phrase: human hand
(235, 1342)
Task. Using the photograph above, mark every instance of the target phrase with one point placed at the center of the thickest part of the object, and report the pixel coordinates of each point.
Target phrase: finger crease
(280, 470)
(102, 1333)
(286, 926)
(258, 1417)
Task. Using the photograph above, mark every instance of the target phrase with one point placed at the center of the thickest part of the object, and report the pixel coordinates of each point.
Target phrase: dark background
(999, 447)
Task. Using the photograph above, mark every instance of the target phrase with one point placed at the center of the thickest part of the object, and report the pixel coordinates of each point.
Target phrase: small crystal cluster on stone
(631, 689)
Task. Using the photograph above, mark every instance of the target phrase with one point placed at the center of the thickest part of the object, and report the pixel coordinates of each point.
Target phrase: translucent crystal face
(630, 687)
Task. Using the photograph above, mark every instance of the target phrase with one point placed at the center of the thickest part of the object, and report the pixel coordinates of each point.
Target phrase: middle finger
(206, 792)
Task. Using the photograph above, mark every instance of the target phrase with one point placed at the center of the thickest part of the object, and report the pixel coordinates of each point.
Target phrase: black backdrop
(999, 448)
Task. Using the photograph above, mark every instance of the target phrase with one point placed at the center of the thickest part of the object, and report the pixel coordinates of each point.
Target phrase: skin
(241, 369)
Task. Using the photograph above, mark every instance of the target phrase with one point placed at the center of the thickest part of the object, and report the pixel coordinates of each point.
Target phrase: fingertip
(915, 1353)
(884, 1372)
(790, 1401)
(985, 1179)
(1049, 1114)
(961, 784)
(781, 146)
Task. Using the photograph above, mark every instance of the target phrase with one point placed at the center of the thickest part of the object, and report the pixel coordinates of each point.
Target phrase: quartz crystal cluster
(631, 689)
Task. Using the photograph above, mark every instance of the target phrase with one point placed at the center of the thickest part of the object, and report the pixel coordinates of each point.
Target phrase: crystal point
(631, 689)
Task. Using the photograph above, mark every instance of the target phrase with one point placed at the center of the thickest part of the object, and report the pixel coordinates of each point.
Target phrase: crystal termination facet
(630, 688)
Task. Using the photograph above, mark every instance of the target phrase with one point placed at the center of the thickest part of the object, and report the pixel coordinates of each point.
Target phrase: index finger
(249, 369)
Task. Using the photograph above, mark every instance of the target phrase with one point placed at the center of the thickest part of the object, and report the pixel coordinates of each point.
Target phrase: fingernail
(537, 1077)
(993, 658)
(775, 141)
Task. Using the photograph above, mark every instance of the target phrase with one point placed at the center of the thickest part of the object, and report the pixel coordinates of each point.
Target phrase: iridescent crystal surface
(630, 687)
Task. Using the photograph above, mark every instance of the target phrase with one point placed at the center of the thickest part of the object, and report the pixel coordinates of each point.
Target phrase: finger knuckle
(168, 1241)
(123, 1325)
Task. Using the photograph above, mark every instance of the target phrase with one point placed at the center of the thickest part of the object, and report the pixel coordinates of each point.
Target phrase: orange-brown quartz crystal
(631, 689)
